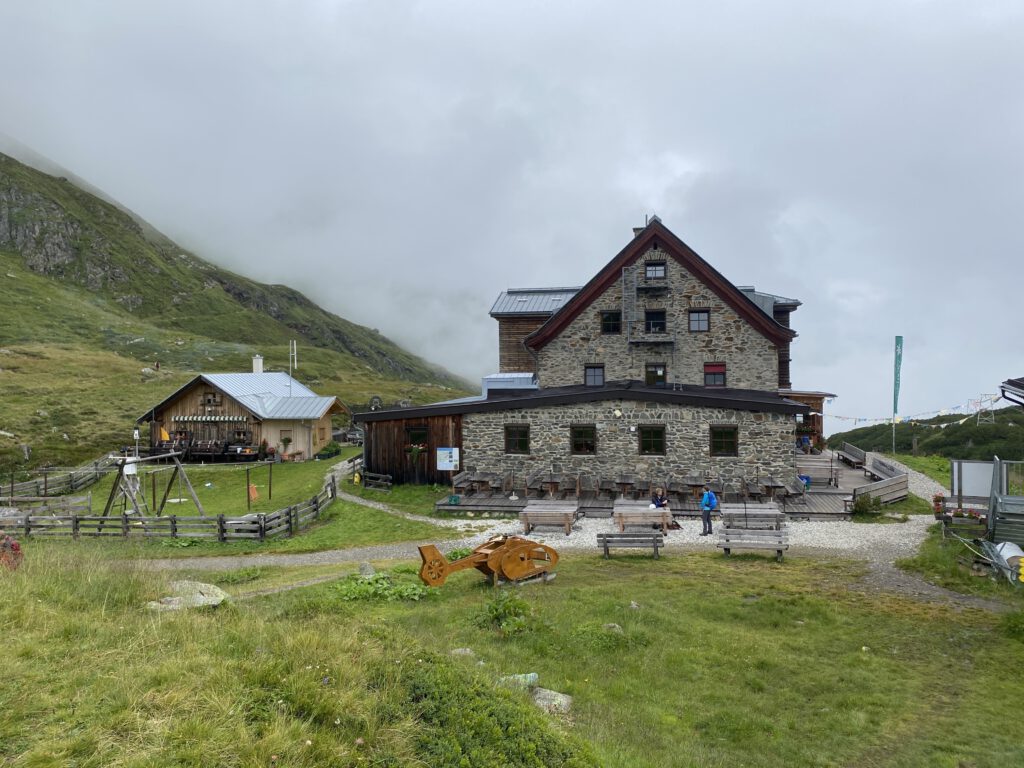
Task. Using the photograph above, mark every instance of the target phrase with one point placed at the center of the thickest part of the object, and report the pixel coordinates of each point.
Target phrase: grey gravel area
(919, 484)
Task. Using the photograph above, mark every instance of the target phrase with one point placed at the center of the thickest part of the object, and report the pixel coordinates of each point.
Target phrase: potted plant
(938, 505)
(285, 442)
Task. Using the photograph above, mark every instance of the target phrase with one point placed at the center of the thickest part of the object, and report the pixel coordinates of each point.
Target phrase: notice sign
(448, 459)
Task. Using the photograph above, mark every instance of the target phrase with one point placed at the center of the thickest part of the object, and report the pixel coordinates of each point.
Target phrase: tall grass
(92, 678)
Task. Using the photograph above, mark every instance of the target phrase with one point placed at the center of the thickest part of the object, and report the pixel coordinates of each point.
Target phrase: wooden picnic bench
(763, 527)
(849, 453)
(879, 469)
(889, 490)
(548, 513)
(638, 512)
(653, 541)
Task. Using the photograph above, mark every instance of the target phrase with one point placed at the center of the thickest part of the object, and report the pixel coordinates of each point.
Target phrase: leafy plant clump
(380, 587)
(458, 553)
(1013, 625)
(506, 612)
(465, 721)
(867, 505)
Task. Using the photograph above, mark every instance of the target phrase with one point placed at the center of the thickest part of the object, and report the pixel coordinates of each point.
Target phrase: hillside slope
(91, 297)
(970, 440)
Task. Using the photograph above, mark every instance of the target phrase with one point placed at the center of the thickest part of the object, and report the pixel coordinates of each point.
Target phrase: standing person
(658, 499)
(708, 503)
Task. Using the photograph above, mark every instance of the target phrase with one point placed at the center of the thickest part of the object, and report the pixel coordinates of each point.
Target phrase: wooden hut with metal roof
(228, 416)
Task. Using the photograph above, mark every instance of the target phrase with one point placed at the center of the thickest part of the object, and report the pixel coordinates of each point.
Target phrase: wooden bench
(820, 474)
(462, 483)
(881, 470)
(794, 492)
(639, 512)
(760, 526)
(556, 514)
(653, 541)
(888, 491)
(759, 538)
(852, 455)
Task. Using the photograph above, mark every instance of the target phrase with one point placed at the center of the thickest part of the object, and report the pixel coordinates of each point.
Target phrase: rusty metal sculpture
(504, 558)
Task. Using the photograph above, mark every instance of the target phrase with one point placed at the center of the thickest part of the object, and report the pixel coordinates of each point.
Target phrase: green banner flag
(896, 376)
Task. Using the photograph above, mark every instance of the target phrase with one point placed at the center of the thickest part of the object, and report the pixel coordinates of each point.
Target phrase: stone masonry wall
(751, 359)
(765, 441)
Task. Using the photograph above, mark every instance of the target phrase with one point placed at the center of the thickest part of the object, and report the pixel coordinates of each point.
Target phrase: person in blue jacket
(658, 499)
(708, 503)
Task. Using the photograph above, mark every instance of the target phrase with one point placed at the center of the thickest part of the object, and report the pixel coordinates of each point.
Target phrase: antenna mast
(293, 362)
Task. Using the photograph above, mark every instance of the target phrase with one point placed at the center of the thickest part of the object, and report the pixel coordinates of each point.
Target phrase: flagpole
(898, 359)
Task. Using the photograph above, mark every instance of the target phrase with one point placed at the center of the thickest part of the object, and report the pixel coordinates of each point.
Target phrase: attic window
(654, 270)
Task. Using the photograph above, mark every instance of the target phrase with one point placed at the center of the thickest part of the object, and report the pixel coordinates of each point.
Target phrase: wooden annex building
(229, 416)
(658, 367)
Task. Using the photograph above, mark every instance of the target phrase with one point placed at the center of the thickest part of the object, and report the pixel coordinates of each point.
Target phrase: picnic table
(771, 486)
(625, 484)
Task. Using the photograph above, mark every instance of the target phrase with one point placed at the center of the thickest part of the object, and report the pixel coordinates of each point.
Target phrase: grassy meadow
(720, 663)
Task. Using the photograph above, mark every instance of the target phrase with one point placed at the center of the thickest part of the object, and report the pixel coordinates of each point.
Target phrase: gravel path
(879, 545)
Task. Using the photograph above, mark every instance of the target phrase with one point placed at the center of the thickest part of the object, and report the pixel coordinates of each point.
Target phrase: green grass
(935, 467)
(221, 489)
(91, 678)
(415, 499)
(940, 561)
(723, 662)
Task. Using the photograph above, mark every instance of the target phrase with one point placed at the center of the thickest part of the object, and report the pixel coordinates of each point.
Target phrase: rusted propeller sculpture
(504, 558)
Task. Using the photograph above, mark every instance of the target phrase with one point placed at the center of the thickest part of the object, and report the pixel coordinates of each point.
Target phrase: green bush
(506, 612)
(1012, 625)
(867, 505)
(380, 587)
(458, 553)
(329, 451)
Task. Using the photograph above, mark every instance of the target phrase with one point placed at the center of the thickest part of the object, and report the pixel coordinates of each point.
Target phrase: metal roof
(766, 301)
(532, 301)
(266, 395)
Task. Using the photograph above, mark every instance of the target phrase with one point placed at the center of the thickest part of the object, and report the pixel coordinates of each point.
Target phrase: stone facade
(751, 359)
(765, 441)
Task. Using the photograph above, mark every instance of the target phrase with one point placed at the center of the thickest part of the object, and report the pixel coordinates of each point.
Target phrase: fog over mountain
(403, 162)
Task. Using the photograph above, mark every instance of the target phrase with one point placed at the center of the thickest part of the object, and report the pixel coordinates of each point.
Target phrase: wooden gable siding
(513, 356)
(180, 412)
(385, 444)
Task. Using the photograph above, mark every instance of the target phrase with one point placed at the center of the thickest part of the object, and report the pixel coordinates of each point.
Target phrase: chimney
(257, 363)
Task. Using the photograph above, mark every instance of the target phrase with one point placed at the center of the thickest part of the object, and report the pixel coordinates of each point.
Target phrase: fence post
(174, 526)
(221, 532)
(262, 520)
(124, 524)
(74, 526)
(316, 506)
(28, 524)
(291, 521)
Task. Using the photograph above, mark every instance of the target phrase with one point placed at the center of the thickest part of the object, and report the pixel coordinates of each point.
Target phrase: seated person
(658, 499)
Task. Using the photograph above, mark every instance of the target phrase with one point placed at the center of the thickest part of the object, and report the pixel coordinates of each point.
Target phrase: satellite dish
(376, 403)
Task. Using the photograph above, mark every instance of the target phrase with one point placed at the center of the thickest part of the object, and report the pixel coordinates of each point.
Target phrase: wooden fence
(259, 526)
(57, 482)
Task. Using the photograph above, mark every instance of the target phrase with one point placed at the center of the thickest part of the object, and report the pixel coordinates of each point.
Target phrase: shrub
(379, 587)
(1012, 625)
(458, 553)
(867, 505)
(506, 612)
(328, 451)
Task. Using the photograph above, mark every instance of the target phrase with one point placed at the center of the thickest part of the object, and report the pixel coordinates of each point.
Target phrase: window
(714, 374)
(241, 436)
(286, 434)
(700, 320)
(583, 439)
(593, 375)
(321, 433)
(654, 321)
(517, 438)
(654, 270)
(416, 435)
(611, 321)
(211, 398)
(655, 374)
(725, 441)
(652, 441)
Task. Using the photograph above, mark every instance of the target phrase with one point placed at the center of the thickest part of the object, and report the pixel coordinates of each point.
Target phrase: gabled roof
(681, 394)
(1013, 390)
(536, 302)
(673, 247)
(266, 395)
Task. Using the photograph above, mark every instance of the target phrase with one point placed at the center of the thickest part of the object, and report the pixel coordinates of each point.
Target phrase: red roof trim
(688, 258)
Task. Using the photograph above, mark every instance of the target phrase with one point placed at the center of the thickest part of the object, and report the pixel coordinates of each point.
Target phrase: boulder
(190, 594)
(552, 702)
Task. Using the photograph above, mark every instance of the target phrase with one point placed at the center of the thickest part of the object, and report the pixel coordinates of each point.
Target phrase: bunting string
(970, 410)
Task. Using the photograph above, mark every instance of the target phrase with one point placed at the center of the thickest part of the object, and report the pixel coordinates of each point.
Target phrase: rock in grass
(366, 570)
(462, 652)
(190, 594)
(612, 627)
(552, 702)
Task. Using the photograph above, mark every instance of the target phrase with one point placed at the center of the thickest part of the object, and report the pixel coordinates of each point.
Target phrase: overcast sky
(403, 162)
